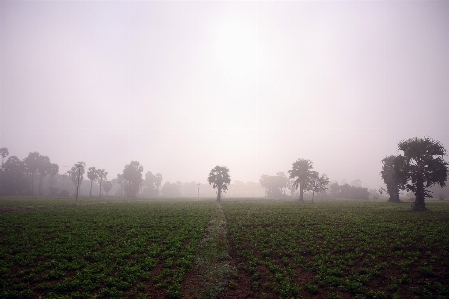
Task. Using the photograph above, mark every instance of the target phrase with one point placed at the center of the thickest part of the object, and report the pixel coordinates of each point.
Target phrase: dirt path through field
(212, 268)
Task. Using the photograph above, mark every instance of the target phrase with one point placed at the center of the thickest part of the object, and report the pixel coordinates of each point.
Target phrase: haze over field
(184, 86)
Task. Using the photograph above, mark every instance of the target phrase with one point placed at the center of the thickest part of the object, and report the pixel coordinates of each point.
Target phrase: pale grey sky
(184, 86)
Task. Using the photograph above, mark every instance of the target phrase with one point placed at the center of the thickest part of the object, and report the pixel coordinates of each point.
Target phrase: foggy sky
(184, 86)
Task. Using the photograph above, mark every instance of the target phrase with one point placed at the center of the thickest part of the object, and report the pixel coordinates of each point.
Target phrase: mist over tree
(394, 185)
(44, 166)
(158, 181)
(92, 175)
(4, 153)
(120, 180)
(77, 173)
(171, 189)
(421, 166)
(301, 171)
(348, 191)
(54, 170)
(107, 186)
(32, 165)
(12, 177)
(151, 184)
(132, 178)
(219, 179)
(317, 183)
(274, 185)
(102, 175)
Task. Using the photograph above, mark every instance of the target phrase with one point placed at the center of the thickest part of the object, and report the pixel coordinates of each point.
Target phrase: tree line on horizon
(420, 167)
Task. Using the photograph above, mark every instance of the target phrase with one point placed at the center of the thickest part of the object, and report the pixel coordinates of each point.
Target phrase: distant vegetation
(417, 170)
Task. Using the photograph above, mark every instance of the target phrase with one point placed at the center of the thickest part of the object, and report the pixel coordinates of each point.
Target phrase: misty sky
(184, 86)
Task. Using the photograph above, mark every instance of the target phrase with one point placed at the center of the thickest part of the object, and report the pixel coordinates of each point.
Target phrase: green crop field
(339, 249)
(278, 249)
(108, 250)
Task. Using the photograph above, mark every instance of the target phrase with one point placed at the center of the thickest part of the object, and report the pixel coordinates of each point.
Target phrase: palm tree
(92, 175)
(102, 174)
(77, 174)
(302, 171)
(219, 178)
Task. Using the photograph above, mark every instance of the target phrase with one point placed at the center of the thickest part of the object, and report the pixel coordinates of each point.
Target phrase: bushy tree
(32, 165)
(317, 183)
(394, 185)
(421, 166)
(219, 179)
(107, 187)
(274, 184)
(158, 181)
(120, 181)
(347, 191)
(151, 184)
(171, 189)
(301, 171)
(13, 181)
(132, 178)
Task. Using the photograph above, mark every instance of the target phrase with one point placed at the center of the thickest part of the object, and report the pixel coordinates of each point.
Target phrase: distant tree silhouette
(132, 176)
(114, 185)
(151, 184)
(102, 174)
(107, 187)
(158, 181)
(274, 184)
(302, 172)
(32, 164)
(219, 179)
(171, 189)
(92, 175)
(334, 190)
(317, 183)
(421, 166)
(13, 181)
(75, 171)
(120, 181)
(43, 169)
(4, 152)
(54, 170)
(394, 185)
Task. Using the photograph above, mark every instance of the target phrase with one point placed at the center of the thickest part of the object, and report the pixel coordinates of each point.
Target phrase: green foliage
(132, 178)
(390, 178)
(219, 178)
(421, 167)
(108, 251)
(339, 249)
(301, 171)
